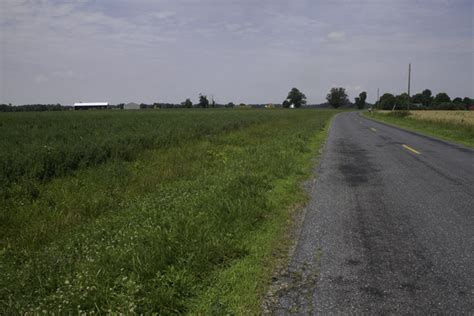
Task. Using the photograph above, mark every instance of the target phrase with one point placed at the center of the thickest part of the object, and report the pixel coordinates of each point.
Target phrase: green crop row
(40, 146)
(186, 226)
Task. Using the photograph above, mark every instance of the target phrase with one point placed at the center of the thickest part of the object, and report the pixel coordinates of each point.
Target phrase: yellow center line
(373, 129)
(410, 149)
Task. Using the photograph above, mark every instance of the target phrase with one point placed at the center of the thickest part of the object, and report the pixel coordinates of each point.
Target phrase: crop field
(456, 126)
(453, 117)
(173, 211)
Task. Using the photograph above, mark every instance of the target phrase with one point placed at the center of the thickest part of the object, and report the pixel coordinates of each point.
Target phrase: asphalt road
(389, 228)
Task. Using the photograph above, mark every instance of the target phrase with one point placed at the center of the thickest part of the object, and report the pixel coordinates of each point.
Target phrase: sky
(66, 51)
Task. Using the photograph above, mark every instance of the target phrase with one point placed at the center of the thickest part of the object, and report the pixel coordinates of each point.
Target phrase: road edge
(421, 134)
(294, 232)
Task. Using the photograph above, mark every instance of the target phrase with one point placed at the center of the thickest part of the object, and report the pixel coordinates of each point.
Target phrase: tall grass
(41, 146)
(153, 231)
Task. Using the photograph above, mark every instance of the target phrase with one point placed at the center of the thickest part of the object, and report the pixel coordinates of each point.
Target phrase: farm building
(90, 105)
(131, 106)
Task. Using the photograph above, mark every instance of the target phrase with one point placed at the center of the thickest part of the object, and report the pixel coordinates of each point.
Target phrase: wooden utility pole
(409, 77)
(409, 74)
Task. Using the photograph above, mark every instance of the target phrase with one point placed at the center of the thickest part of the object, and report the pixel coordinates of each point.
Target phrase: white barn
(90, 105)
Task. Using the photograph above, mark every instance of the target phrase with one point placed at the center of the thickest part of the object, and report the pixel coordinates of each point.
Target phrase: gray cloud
(337, 36)
(148, 51)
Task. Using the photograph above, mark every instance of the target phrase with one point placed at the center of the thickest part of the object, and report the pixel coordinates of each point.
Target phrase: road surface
(389, 228)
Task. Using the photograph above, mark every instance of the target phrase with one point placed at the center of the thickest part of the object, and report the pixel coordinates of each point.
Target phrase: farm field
(456, 126)
(173, 211)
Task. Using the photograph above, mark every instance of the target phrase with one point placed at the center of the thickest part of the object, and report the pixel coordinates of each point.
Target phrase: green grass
(185, 223)
(460, 133)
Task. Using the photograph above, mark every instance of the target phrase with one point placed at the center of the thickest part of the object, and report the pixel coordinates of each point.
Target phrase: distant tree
(457, 100)
(417, 98)
(357, 103)
(427, 98)
(230, 105)
(360, 100)
(337, 97)
(286, 104)
(296, 97)
(5, 108)
(188, 103)
(402, 101)
(442, 97)
(387, 101)
(467, 102)
(363, 97)
(203, 101)
(32, 107)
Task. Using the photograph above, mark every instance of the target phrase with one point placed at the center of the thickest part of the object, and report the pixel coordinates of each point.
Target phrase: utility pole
(409, 74)
(378, 96)
(409, 77)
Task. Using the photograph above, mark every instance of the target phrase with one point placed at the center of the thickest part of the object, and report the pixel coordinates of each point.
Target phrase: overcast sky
(54, 51)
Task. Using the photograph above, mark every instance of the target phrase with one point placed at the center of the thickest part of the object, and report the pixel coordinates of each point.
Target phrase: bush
(449, 106)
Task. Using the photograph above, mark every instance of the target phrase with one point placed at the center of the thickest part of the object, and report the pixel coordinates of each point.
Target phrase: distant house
(90, 105)
(131, 106)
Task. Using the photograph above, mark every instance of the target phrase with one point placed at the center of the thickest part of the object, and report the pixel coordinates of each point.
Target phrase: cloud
(336, 36)
(148, 50)
(41, 79)
(353, 88)
(164, 14)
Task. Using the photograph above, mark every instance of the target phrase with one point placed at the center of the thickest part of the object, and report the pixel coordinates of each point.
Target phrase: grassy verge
(185, 228)
(240, 288)
(461, 132)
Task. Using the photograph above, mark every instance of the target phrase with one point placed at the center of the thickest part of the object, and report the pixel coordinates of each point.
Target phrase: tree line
(423, 101)
(336, 97)
(31, 107)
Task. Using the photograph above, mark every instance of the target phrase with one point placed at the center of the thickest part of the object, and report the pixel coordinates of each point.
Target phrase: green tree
(360, 100)
(188, 103)
(363, 97)
(337, 97)
(230, 105)
(442, 97)
(467, 101)
(457, 100)
(357, 102)
(402, 101)
(203, 101)
(417, 98)
(387, 101)
(427, 98)
(296, 97)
